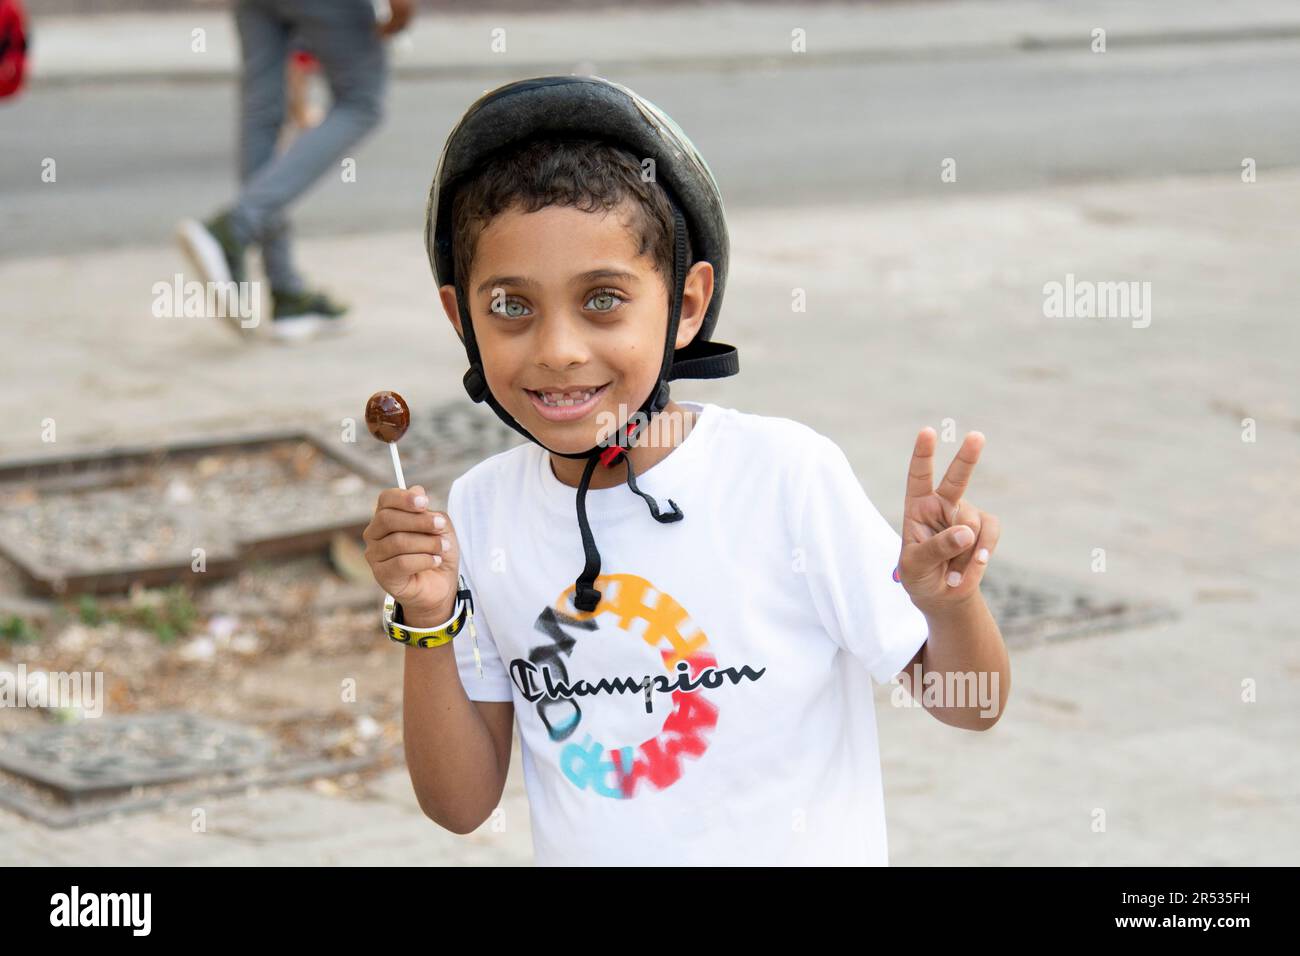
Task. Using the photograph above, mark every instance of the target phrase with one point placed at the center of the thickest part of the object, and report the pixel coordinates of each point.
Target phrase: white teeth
(555, 400)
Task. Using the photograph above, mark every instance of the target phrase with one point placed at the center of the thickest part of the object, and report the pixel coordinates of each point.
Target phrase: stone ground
(1100, 435)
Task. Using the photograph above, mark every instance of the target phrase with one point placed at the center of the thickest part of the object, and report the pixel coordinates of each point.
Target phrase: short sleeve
(849, 555)
(495, 682)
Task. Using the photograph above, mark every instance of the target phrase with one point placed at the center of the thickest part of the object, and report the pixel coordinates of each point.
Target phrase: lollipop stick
(473, 632)
(397, 465)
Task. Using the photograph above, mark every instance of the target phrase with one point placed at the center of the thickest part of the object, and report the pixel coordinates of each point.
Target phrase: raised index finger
(920, 471)
(957, 477)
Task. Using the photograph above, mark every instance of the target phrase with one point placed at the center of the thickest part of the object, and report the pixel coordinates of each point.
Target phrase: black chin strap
(585, 595)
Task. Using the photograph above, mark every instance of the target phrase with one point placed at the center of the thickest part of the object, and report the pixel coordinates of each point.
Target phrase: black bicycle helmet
(512, 114)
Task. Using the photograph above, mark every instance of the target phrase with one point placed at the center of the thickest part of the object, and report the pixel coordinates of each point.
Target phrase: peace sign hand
(941, 531)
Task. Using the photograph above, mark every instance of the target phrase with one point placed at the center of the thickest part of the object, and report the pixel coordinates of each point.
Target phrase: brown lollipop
(388, 416)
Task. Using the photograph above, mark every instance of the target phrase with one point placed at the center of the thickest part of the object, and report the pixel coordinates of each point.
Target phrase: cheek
(500, 363)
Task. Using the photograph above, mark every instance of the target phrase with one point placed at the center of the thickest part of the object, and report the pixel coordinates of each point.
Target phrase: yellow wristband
(403, 633)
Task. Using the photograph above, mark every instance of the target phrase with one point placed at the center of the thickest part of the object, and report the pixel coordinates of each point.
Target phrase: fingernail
(954, 578)
(439, 522)
(964, 536)
(445, 543)
(437, 559)
(420, 501)
(982, 556)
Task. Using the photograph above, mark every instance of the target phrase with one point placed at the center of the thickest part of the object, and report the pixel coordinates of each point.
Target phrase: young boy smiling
(606, 336)
(701, 694)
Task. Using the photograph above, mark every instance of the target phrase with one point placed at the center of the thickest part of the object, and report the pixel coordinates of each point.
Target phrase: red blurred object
(13, 47)
(301, 59)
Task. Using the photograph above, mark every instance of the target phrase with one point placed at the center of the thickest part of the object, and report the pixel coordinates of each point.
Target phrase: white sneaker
(204, 251)
(302, 328)
(208, 259)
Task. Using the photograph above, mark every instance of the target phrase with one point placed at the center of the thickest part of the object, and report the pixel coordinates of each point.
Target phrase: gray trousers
(354, 59)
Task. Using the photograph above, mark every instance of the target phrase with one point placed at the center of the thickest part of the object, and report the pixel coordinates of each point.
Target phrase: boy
(706, 699)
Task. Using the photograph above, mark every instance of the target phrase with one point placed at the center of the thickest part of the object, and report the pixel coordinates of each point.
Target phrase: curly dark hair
(586, 173)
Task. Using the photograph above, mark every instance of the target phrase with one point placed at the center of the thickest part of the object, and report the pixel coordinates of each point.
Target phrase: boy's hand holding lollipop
(411, 550)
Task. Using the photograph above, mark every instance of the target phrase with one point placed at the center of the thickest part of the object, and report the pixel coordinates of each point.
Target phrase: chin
(567, 444)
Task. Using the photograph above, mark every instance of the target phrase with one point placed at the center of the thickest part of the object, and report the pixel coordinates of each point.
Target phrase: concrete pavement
(1100, 435)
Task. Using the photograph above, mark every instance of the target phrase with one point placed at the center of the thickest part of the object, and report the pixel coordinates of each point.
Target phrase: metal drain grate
(102, 520)
(65, 775)
(1033, 608)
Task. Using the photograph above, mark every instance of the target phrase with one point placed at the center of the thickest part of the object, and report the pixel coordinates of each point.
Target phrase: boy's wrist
(954, 612)
(422, 618)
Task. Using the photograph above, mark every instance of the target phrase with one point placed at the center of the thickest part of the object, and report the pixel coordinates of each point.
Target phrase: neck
(663, 433)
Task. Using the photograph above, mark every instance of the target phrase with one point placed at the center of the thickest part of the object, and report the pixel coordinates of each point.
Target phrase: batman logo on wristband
(401, 632)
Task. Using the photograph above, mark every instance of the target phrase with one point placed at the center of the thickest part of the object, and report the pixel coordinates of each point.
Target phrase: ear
(696, 296)
(447, 294)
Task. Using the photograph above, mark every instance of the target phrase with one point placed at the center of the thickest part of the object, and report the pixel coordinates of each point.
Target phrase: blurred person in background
(347, 38)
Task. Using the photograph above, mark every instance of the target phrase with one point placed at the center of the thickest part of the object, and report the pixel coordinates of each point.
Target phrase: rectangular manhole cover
(100, 521)
(1034, 608)
(70, 774)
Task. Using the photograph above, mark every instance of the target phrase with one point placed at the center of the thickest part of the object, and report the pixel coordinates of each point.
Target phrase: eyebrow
(527, 283)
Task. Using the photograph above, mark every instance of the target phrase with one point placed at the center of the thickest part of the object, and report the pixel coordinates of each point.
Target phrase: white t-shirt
(775, 593)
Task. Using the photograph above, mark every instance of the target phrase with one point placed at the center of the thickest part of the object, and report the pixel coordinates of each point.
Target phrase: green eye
(505, 307)
(606, 294)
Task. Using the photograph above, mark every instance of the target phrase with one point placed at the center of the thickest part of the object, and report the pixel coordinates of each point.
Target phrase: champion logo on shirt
(537, 682)
(693, 678)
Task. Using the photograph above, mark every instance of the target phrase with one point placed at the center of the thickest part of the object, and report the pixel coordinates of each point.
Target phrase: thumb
(942, 547)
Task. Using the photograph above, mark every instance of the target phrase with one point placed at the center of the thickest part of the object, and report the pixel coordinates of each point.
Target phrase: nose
(560, 344)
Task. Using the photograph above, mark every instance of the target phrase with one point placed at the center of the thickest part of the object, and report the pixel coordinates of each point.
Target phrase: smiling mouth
(567, 398)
